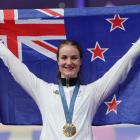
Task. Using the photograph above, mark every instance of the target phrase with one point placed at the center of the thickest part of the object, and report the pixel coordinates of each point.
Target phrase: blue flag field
(105, 35)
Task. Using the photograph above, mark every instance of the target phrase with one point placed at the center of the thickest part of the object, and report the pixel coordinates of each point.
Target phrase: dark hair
(72, 43)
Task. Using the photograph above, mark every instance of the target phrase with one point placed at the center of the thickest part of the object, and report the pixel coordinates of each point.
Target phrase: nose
(69, 61)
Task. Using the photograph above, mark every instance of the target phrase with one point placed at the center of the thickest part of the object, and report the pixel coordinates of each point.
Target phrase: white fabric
(87, 102)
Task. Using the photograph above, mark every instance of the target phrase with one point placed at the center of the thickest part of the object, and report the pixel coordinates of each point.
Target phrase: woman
(68, 108)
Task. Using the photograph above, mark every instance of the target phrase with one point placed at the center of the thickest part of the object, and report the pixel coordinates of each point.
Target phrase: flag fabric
(105, 35)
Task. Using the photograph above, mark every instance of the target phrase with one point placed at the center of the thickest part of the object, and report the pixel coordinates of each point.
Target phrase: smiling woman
(69, 113)
(69, 58)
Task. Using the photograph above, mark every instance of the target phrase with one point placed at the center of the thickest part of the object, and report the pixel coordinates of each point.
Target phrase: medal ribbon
(68, 111)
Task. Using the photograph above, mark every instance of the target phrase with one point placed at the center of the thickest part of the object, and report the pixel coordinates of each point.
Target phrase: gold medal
(69, 130)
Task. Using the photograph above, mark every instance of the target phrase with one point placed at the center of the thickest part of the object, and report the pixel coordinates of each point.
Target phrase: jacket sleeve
(20, 72)
(117, 73)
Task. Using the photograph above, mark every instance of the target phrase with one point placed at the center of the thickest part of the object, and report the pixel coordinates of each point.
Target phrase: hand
(137, 42)
(1, 42)
(136, 46)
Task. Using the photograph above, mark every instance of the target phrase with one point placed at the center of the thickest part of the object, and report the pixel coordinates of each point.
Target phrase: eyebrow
(71, 55)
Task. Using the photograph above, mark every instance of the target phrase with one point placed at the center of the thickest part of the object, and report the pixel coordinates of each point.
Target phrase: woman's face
(69, 61)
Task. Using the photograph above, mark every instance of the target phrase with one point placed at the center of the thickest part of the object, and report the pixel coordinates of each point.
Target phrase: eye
(64, 57)
(75, 57)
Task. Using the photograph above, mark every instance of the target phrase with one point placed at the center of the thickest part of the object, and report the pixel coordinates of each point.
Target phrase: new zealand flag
(105, 35)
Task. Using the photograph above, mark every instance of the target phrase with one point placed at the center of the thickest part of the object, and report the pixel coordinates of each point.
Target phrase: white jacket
(87, 102)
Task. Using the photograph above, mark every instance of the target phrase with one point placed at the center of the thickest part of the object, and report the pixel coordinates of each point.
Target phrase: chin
(71, 76)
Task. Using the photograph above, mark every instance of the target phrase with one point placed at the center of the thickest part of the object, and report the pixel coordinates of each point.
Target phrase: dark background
(25, 4)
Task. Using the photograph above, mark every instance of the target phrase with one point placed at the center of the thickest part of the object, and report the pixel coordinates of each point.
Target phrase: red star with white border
(112, 105)
(116, 22)
(97, 52)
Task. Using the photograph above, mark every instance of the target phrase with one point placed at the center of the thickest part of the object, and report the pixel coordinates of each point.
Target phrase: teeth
(68, 68)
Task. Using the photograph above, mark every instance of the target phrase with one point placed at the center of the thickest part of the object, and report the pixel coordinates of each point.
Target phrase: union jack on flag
(27, 27)
(104, 34)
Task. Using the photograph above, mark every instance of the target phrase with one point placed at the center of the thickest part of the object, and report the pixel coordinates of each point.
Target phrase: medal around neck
(69, 129)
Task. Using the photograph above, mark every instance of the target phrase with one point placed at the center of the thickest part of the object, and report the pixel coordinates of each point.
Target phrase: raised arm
(20, 72)
(117, 73)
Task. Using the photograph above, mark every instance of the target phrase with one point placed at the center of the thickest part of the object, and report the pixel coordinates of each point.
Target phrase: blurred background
(114, 132)
(63, 3)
